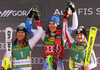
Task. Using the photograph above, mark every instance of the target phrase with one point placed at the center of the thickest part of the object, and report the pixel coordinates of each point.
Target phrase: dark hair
(48, 31)
(25, 41)
(15, 41)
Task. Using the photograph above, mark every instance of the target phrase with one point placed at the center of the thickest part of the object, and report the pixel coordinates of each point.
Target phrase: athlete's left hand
(36, 16)
(32, 10)
(72, 6)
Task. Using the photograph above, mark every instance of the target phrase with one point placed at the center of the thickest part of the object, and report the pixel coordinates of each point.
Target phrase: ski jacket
(49, 45)
(22, 55)
(71, 41)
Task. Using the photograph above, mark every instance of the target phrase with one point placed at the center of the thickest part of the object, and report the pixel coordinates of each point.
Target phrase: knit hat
(54, 19)
(22, 27)
(81, 30)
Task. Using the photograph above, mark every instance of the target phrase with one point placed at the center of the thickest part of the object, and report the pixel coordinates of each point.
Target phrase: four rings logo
(7, 13)
(40, 60)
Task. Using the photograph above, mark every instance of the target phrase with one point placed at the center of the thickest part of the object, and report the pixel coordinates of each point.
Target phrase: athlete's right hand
(30, 13)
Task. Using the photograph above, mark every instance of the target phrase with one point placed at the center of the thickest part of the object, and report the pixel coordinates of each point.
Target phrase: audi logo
(2, 46)
(37, 60)
(40, 60)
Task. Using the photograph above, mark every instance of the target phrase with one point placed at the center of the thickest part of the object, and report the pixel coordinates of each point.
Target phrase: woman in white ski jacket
(22, 48)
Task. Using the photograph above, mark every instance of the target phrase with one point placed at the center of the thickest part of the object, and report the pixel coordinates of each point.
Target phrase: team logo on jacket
(51, 39)
(79, 47)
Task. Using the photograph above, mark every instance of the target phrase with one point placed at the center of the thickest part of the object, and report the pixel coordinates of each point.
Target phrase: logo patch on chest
(79, 47)
(51, 39)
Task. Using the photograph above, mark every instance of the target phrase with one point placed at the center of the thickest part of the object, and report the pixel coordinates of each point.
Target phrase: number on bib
(76, 57)
(21, 54)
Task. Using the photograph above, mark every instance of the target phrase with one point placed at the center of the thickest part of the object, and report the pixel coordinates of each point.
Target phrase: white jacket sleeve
(74, 21)
(67, 31)
(37, 36)
(42, 36)
(93, 62)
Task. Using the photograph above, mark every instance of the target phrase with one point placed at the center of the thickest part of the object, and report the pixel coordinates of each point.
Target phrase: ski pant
(60, 65)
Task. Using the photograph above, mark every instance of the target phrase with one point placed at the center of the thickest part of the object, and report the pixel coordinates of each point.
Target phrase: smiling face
(80, 37)
(20, 35)
(52, 26)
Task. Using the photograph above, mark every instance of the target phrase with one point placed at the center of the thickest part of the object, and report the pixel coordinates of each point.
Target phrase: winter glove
(67, 10)
(72, 6)
(32, 10)
(30, 13)
(36, 16)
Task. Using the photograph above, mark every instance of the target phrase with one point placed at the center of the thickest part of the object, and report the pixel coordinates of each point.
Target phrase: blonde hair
(85, 40)
(81, 27)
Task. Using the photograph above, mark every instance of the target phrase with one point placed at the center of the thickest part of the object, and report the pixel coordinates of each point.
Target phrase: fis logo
(7, 13)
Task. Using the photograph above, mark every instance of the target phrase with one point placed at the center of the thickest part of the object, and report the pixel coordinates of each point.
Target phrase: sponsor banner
(11, 14)
(2, 46)
(40, 60)
(20, 12)
(81, 11)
